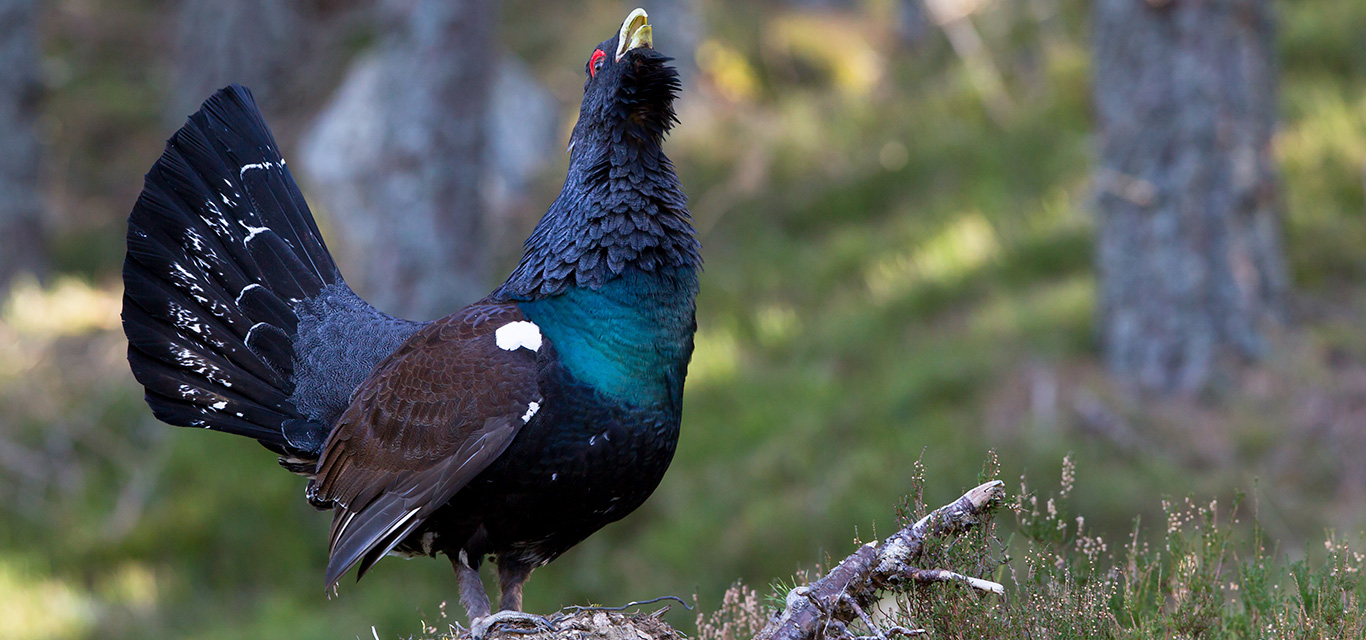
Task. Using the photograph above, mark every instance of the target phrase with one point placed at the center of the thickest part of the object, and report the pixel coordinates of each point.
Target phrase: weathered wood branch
(822, 609)
(841, 595)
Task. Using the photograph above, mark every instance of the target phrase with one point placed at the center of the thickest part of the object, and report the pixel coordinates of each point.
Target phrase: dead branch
(841, 595)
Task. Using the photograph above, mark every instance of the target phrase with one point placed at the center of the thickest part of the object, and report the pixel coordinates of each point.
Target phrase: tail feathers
(221, 249)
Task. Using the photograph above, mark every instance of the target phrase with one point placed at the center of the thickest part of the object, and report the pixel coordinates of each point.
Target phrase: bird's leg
(472, 594)
(511, 576)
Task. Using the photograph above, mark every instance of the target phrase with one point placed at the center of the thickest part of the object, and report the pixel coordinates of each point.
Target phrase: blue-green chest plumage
(629, 339)
(609, 423)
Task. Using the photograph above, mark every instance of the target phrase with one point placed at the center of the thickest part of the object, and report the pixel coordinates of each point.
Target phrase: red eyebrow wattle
(598, 54)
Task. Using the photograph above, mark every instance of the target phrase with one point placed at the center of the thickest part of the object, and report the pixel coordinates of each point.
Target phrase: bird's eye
(595, 62)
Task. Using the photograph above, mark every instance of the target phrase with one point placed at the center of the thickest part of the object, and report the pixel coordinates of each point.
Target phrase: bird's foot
(526, 623)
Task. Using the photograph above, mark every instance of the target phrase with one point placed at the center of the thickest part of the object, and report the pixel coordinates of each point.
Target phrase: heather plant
(1206, 573)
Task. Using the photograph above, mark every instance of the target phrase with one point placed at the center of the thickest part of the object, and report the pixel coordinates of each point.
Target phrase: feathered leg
(472, 594)
(511, 576)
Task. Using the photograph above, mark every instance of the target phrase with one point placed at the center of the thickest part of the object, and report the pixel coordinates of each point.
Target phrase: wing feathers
(430, 418)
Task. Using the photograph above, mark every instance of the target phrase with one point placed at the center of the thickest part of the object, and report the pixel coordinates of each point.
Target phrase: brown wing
(433, 415)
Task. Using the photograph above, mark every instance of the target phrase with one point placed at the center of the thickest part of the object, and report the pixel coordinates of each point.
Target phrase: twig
(875, 567)
(867, 621)
(577, 608)
(944, 575)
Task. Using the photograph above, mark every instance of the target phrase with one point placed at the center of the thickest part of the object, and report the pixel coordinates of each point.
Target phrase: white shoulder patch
(515, 335)
(531, 410)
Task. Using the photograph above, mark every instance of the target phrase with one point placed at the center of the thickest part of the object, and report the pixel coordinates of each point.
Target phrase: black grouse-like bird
(513, 428)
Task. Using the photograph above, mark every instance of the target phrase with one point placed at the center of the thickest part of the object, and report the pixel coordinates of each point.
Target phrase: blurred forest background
(924, 227)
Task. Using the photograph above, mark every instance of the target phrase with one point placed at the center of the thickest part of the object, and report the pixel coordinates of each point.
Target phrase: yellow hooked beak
(635, 32)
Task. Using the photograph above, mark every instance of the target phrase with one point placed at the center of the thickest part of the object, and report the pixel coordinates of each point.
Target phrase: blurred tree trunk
(250, 42)
(22, 247)
(523, 119)
(285, 51)
(396, 158)
(1189, 255)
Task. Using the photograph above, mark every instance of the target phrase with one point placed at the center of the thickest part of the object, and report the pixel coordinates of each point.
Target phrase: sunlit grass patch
(35, 606)
(1066, 303)
(70, 306)
(1322, 150)
(966, 244)
(715, 357)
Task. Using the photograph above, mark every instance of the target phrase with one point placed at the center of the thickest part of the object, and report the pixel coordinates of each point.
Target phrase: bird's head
(621, 208)
(628, 90)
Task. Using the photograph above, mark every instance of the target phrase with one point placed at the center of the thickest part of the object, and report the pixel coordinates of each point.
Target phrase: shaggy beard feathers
(645, 102)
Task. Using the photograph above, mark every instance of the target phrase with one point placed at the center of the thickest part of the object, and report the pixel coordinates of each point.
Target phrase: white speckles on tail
(194, 241)
(245, 290)
(254, 327)
(531, 410)
(252, 232)
(519, 334)
(258, 166)
(186, 320)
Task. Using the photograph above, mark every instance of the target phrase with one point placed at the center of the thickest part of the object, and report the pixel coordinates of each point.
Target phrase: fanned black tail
(221, 251)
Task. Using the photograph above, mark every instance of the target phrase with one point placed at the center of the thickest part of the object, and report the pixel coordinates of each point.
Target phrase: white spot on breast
(515, 335)
(554, 477)
(531, 410)
(219, 406)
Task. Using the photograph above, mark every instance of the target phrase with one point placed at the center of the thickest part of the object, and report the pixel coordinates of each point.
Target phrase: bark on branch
(841, 595)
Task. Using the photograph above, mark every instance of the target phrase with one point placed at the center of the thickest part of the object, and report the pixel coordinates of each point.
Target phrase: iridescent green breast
(630, 339)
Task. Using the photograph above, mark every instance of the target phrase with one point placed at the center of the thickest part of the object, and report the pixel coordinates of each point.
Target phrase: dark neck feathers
(621, 209)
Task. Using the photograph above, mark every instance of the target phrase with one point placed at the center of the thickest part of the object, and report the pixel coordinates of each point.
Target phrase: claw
(480, 628)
